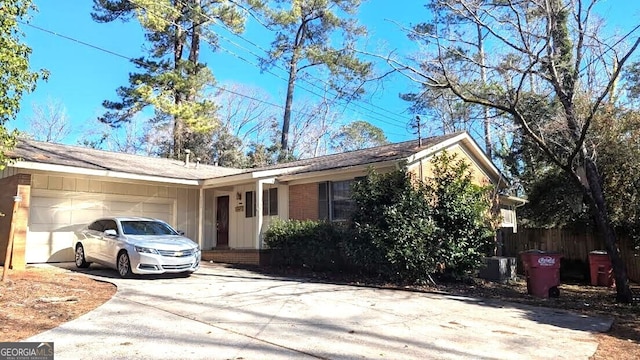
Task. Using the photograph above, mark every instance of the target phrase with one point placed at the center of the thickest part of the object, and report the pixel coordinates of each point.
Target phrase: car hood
(161, 242)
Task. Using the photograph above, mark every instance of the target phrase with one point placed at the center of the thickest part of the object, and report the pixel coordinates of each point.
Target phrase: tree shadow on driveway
(576, 301)
(336, 319)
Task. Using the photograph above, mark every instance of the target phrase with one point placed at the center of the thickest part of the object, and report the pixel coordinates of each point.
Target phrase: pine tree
(305, 29)
(171, 79)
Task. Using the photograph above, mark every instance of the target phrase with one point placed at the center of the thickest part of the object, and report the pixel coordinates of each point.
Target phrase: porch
(238, 256)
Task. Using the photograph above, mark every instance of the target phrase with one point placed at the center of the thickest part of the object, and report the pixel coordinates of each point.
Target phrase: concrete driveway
(225, 313)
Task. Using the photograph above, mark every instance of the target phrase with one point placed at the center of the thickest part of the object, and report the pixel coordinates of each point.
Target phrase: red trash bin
(526, 259)
(542, 270)
(600, 269)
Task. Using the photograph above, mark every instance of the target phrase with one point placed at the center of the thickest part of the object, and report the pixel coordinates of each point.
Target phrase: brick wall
(244, 257)
(303, 202)
(11, 186)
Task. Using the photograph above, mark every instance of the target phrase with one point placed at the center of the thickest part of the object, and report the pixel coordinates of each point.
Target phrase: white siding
(242, 228)
(61, 205)
(55, 216)
(187, 211)
(209, 220)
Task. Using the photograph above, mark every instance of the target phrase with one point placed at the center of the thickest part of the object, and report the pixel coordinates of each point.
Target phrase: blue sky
(82, 77)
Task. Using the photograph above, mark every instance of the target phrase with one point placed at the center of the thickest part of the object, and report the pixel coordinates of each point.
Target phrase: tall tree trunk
(194, 53)
(178, 48)
(291, 84)
(483, 78)
(565, 84)
(600, 214)
(614, 88)
(286, 119)
(598, 204)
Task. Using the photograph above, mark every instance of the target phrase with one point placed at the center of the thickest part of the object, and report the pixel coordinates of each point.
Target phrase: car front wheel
(124, 265)
(81, 262)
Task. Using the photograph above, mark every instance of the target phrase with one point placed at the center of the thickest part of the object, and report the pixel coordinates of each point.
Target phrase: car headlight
(145, 250)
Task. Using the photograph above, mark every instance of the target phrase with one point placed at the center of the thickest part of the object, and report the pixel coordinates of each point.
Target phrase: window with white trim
(334, 200)
(250, 204)
(269, 203)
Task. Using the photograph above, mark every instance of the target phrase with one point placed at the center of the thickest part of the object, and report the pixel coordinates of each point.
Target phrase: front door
(222, 222)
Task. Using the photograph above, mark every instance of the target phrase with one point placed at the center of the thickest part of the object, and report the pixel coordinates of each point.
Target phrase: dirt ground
(39, 299)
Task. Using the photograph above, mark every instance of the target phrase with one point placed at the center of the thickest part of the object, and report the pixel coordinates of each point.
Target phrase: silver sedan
(135, 245)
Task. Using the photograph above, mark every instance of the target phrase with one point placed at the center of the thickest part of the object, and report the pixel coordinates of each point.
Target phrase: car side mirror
(180, 232)
(110, 232)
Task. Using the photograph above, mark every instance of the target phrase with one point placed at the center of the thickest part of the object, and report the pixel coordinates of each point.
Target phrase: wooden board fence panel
(572, 244)
(631, 258)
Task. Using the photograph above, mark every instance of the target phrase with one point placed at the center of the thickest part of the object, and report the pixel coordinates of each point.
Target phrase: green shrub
(391, 227)
(405, 230)
(462, 215)
(401, 230)
(305, 243)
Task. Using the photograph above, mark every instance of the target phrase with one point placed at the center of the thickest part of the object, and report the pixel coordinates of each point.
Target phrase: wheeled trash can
(542, 271)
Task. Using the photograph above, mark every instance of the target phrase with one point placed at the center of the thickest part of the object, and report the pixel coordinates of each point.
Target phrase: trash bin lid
(540, 252)
(532, 251)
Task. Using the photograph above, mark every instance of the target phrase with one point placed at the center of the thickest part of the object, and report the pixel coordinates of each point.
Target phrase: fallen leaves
(39, 299)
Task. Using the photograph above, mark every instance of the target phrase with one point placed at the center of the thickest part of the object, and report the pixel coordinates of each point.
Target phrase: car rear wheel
(124, 265)
(81, 262)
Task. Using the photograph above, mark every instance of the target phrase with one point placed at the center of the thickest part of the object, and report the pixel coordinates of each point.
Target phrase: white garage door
(54, 218)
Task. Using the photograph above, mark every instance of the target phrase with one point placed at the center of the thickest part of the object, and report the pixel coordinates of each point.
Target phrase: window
(146, 228)
(250, 207)
(323, 201)
(110, 225)
(507, 216)
(269, 203)
(103, 225)
(341, 202)
(334, 200)
(96, 226)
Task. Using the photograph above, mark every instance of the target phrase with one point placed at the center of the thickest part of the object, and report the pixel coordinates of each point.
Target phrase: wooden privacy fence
(572, 244)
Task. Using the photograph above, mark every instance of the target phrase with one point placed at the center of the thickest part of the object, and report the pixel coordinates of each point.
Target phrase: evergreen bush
(305, 243)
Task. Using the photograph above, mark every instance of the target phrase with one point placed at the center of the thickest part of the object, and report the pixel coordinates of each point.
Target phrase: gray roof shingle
(389, 152)
(86, 158)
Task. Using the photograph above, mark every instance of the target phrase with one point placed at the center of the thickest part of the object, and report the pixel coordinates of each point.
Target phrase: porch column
(200, 216)
(258, 205)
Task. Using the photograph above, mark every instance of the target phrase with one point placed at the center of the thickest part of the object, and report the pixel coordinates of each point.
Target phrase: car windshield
(146, 228)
